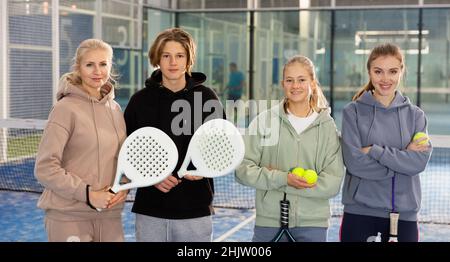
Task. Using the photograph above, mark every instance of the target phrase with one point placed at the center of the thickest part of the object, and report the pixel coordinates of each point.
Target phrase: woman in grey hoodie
(383, 163)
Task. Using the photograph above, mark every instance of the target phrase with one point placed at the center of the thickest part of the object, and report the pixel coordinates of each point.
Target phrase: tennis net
(19, 140)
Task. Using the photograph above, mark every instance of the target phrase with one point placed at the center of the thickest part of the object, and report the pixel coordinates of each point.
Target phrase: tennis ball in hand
(298, 171)
(419, 135)
(310, 176)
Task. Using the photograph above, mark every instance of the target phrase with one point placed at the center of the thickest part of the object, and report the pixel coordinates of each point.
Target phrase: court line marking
(235, 229)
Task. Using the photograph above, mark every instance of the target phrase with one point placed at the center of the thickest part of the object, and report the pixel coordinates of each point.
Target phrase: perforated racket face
(217, 148)
(148, 156)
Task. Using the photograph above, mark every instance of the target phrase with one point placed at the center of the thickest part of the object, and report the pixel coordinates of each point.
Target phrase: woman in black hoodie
(175, 101)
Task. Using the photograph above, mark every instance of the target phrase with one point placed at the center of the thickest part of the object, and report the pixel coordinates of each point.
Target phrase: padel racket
(215, 149)
(147, 157)
(284, 222)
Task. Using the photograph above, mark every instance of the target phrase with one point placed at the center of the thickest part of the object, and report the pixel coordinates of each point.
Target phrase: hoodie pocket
(374, 194)
(270, 203)
(408, 194)
(51, 200)
(378, 194)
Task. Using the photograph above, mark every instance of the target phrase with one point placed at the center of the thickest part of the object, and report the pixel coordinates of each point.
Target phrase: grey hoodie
(369, 179)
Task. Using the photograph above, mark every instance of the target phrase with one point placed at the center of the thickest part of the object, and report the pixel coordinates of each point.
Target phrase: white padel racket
(147, 157)
(215, 149)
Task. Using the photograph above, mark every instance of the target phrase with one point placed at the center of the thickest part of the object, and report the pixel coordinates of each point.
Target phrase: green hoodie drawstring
(317, 147)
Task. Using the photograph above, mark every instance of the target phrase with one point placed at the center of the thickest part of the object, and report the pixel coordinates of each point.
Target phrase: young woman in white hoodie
(77, 156)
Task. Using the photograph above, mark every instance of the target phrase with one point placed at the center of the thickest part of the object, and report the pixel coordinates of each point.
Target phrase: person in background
(77, 156)
(382, 160)
(175, 101)
(354, 77)
(235, 86)
(299, 132)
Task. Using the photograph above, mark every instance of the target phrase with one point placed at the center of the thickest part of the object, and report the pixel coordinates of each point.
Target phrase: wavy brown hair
(173, 34)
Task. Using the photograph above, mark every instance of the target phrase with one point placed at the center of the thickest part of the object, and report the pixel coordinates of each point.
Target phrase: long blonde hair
(85, 46)
(386, 49)
(173, 34)
(317, 101)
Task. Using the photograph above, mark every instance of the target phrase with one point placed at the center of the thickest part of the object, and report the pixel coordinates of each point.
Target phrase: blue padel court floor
(22, 221)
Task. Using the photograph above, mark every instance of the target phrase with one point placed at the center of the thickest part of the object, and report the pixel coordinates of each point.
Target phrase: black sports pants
(359, 228)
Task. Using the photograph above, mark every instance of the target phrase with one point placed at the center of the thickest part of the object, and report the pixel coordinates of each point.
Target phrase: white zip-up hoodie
(79, 147)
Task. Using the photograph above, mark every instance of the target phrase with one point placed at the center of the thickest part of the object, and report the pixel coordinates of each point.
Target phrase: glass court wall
(356, 33)
(42, 37)
(338, 41)
(259, 36)
(279, 36)
(221, 38)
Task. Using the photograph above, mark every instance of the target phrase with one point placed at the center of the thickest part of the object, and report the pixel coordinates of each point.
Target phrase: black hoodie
(152, 106)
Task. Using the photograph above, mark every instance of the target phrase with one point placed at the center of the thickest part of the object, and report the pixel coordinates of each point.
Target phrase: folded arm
(356, 161)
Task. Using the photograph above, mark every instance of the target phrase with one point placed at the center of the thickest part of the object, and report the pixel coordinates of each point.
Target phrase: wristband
(88, 202)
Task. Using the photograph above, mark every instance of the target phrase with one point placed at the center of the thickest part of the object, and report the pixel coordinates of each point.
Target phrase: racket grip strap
(88, 202)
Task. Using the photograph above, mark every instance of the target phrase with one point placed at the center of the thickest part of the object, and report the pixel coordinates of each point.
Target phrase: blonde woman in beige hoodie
(77, 156)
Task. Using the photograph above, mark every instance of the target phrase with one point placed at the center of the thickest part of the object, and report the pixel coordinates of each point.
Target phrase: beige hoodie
(79, 146)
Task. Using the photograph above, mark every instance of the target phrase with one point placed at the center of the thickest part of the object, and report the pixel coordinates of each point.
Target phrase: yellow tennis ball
(419, 135)
(298, 171)
(310, 176)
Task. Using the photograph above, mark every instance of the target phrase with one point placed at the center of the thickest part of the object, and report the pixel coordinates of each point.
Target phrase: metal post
(4, 88)
(4, 45)
(419, 59)
(98, 20)
(333, 21)
(251, 55)
(55, 47)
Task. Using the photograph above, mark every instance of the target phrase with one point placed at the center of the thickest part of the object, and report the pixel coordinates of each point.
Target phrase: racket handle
(110, 191)
(117, 188)
(181, 173)
(284, 213)
(184, 166)
(393, 227)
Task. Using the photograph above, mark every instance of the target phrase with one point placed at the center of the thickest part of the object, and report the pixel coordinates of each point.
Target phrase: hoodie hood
(66, 88)
(367, 98)
(379, 114)
(196, 79)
